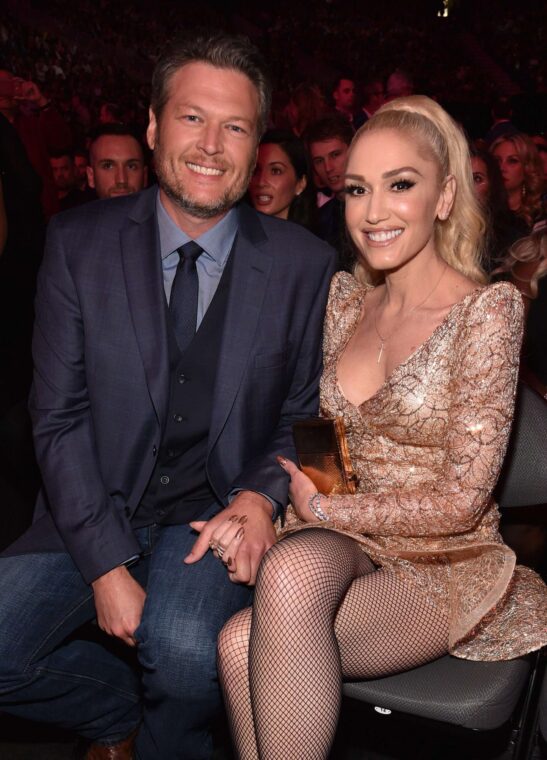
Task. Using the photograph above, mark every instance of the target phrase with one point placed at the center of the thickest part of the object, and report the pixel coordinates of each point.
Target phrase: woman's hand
(300, 489)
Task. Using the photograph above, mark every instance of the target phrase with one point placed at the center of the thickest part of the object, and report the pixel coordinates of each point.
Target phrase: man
(80, 164)
(399, 85)
(328, 141)
(373, 99)
(65, 177)
(40, 126)
(116, 162)
(343, 95)
(146, 429)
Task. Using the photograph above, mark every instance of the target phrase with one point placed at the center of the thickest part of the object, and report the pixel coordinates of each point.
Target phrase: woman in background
(522, 173)
(281, 184)
(503, 228)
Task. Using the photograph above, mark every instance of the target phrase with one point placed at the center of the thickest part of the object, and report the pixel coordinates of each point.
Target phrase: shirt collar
(216, 242)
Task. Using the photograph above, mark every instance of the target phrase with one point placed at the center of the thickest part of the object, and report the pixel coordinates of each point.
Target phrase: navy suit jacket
(101, 384)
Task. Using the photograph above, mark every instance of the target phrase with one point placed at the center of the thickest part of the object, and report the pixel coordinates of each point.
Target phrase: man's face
(80, 167)
(117, 166)
(205, 141)
(64, 174)
(329, 161)
(344, 95)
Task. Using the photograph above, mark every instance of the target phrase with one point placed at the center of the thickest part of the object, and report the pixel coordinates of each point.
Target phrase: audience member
(65, 178)
(81, 162)
(328, 140)
(503, 228)
(399, 85)
(343, 96)
(281, 184)
(306, 105)
(522, 173)
(373, 99)
(116, 162)
(525, 265)
(40, 127)
(502, 126)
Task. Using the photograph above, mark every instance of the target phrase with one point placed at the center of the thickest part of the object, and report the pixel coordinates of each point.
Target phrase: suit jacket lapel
(144, 283)
(250, 273)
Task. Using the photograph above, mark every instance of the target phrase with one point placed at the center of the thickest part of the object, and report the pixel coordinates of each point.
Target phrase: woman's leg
(384, 625)
(303, 640)
(294, 661)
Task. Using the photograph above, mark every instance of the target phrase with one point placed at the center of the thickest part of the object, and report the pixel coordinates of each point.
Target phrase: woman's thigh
(385, 625)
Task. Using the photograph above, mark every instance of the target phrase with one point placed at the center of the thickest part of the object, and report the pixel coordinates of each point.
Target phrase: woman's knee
(233, 642)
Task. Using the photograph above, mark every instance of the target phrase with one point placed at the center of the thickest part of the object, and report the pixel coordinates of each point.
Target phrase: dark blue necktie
(183, 303)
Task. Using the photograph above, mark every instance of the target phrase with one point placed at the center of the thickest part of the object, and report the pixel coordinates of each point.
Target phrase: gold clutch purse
(323, 454)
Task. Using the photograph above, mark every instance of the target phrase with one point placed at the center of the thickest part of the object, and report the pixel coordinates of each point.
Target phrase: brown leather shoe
(121, 751)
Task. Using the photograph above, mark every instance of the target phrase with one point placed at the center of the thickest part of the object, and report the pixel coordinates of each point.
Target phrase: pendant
(381, 351)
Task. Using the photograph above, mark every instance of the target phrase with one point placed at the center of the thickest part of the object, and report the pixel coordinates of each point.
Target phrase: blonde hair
(530, 206)
(459, 238)
(528, 250)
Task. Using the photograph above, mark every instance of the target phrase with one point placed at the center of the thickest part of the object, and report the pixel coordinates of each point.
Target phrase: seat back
(523, 478)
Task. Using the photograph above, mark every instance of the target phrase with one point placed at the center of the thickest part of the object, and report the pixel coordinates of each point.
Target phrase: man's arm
(95, 533)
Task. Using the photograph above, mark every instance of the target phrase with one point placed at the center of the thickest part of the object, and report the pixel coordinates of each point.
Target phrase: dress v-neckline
(405, 362)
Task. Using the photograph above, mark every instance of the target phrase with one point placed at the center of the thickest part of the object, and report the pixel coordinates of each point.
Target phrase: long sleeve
(476, 421)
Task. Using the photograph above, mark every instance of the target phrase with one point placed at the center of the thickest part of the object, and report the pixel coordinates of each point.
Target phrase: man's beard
(174, 189)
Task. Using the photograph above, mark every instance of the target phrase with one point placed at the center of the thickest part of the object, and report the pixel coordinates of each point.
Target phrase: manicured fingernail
(282, 461)
(229, 561)
(240, 533)
(243, 519)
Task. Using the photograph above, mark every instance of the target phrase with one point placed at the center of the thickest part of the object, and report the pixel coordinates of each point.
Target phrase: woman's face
(512, 170)
(393, 196)
(480, 179)
(274, 184)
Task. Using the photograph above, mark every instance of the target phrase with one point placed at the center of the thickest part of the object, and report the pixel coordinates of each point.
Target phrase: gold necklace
(383, 341)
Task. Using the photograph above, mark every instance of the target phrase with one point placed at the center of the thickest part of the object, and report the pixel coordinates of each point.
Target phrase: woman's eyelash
(402, 184)
(354, 189)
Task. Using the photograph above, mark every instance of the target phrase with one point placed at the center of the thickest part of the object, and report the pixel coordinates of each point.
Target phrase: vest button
(164, 480)
(182, 379)
(154, 451)
(171, 453)
(178, 417)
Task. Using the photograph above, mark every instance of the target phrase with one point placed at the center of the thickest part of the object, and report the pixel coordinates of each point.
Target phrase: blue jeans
(86, 687)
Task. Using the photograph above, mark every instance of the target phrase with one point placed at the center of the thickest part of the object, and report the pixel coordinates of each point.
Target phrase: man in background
(328, 141)
(116, 162)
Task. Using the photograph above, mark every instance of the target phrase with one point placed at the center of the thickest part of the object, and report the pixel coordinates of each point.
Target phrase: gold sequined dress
(427, 448)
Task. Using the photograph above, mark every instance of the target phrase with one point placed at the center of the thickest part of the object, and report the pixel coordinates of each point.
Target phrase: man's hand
(119, 601)
(244, 529)
(29, 91)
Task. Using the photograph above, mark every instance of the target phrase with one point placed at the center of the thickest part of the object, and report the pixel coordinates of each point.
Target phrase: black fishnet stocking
(321, 612)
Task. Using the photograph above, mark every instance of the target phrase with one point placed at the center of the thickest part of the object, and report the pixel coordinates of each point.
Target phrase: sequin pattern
(428, 447)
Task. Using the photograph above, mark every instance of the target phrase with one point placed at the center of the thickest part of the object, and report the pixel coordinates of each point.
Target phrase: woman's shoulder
(496, 296)
(344, 290)
(498, 306)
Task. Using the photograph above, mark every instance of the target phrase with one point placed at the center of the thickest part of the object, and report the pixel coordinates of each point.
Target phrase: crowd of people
(179, 307)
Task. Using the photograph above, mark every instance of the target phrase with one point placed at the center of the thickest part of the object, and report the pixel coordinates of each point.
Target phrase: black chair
(482, 705)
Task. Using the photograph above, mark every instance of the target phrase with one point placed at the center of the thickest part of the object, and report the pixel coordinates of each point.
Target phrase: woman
(503, 227)
(525, 265)
(281, 184)
(522, 173)
(423, 367)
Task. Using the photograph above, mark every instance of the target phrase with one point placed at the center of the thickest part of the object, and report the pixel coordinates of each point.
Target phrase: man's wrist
(272, 507)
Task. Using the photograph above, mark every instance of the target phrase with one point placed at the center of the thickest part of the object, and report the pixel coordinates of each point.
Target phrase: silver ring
(220, 551)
